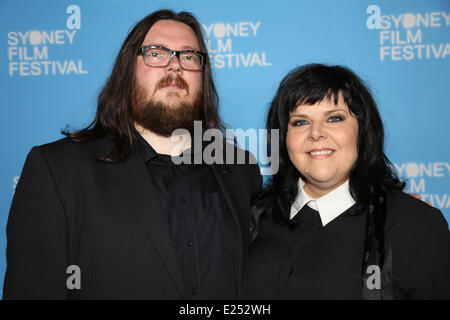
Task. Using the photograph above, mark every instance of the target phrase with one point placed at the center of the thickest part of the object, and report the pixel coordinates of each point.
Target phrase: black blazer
(328, 262)
(69, 209)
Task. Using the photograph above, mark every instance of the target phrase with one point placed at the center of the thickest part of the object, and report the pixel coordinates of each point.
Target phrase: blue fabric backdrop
(55, 55)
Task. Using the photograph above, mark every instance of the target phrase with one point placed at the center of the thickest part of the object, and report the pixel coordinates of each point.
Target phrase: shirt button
(190, 243)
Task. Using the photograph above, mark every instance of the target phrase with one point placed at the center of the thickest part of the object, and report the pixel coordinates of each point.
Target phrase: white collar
(330, 206)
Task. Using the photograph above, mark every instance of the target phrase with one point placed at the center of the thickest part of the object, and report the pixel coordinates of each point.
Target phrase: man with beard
(106, 214)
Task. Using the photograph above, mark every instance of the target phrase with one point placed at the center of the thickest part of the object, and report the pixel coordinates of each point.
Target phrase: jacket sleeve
(429, 266)
(36, 253)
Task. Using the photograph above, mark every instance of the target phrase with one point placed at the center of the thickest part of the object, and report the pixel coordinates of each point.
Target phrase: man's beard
(162, 118)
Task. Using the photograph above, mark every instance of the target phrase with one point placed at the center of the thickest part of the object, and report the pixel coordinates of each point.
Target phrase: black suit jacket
(69, 209)
(315, 262)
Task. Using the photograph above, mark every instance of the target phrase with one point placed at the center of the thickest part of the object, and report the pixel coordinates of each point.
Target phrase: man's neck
(173, 145)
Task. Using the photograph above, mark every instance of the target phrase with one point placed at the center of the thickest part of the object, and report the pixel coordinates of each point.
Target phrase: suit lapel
(135, 182)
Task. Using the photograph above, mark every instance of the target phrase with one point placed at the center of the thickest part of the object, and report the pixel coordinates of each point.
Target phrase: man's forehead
(170, 33)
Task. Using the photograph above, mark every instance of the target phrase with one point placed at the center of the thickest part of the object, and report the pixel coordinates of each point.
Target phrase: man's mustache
(171, 79)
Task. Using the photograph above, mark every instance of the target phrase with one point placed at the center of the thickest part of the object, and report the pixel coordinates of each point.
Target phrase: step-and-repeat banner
(55, 56)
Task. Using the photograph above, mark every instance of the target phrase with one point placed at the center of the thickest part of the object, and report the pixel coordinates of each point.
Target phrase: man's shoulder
(234, 155)
(65, 155)
(66, 147)
(245, 166)
(59, 146)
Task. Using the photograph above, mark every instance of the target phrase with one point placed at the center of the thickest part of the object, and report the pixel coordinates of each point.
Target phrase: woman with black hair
(333, 222)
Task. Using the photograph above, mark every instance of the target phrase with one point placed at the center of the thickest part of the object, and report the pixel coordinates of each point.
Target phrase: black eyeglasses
(156, 56)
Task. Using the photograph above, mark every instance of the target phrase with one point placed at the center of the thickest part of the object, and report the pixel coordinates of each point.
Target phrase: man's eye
(156, 54)
(190, 57)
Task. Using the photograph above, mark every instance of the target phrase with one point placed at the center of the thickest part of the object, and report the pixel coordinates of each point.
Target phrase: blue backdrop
(55, 55)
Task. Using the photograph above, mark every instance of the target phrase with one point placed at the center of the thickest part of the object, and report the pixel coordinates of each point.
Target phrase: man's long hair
(114, 116)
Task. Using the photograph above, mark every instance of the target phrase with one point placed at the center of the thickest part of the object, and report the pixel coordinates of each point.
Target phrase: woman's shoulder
(406, 212)
(420, 240)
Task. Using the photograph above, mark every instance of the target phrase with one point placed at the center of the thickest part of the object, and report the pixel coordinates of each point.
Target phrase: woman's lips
(319, 154)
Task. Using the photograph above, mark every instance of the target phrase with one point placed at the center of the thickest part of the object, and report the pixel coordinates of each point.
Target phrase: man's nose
(174, 65)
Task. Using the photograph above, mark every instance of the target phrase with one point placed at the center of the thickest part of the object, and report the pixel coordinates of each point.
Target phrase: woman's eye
(297, 123)
(335, 119)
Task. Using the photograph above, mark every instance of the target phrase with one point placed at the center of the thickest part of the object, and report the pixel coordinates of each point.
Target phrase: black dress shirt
(202, 228)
